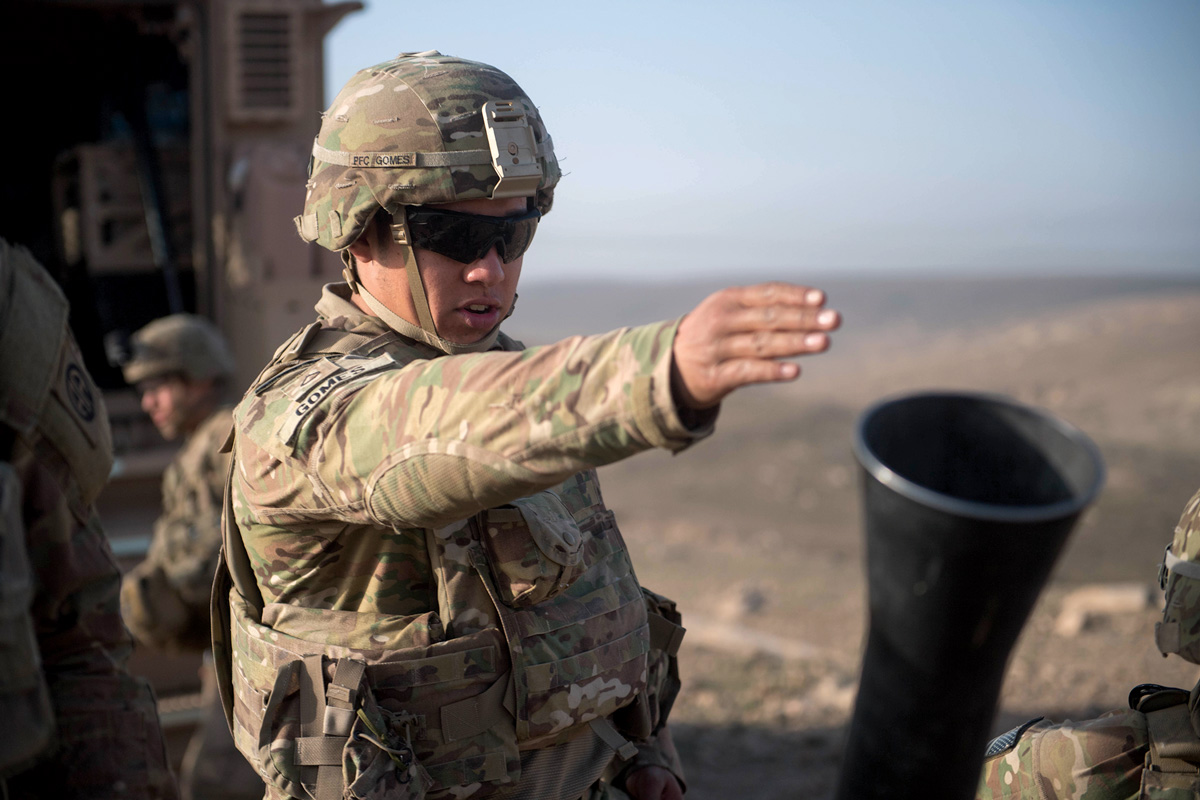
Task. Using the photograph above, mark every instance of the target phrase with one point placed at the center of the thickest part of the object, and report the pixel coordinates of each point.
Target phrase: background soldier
(180, 364)
(1150, 751)
(78, 724)
(413, 491)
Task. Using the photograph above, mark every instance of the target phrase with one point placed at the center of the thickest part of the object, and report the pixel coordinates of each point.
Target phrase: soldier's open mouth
(480, 316)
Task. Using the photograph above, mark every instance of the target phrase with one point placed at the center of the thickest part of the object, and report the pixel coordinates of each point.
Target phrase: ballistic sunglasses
(468, 237)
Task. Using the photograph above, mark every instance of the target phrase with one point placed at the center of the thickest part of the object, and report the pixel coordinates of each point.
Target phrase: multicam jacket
(78, 724)
(437, 518)
(1150, 752)
(165, 599)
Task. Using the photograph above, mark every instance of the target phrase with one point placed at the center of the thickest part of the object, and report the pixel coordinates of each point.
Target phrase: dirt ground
(756, 531)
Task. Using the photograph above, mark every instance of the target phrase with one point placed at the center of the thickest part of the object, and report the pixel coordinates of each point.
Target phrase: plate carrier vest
(578, 645)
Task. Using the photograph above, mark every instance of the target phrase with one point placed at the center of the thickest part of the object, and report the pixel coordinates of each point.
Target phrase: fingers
(781, 318)
(771, 344)
(778, 293)
(738, 337)
(744, 371)
(653, 783)
(773, 307)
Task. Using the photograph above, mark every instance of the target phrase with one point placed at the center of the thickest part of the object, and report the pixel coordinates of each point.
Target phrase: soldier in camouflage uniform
(180, 364)
(1151, 751)
(78, 725)
(426, 594)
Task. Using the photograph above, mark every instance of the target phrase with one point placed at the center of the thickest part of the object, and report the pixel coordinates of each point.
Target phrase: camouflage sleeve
(437, 441)
(109, 738)
(1104, 756)
(165, 598)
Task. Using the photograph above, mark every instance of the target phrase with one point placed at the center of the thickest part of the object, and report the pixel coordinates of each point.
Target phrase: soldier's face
(466, 300)
(175, 405)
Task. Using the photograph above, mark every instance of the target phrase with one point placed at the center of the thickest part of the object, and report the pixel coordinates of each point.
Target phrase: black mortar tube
(968, 500)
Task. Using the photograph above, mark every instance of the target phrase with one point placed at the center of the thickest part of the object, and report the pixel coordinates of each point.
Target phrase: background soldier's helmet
(1179, 632)
(423, 128)
(179, 344)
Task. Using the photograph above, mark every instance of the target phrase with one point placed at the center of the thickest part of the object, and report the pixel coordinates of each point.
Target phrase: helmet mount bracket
(514, 149)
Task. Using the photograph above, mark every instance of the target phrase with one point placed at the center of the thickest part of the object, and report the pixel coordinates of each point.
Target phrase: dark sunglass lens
(518, 235)
(468, 237)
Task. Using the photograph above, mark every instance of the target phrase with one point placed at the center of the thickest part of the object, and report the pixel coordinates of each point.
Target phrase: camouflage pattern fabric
(108, 740)
(1151, 753)
(1098, 759)
(389, 118)
(165, 598)
(24, 696)
(1179, 631)
(386, 499)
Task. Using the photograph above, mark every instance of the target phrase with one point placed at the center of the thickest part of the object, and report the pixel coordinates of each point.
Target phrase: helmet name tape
(513, 148)
(454, 158)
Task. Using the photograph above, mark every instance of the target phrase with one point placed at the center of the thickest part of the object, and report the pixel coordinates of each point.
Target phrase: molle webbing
(1174, 746)
(326, 716)
(474, 715)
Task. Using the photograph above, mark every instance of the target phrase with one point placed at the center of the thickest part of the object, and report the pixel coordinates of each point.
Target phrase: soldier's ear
(363, 249)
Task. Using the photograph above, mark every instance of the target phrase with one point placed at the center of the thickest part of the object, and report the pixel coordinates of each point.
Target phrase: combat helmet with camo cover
(1179, 631)
(184, 344)
(423, 128)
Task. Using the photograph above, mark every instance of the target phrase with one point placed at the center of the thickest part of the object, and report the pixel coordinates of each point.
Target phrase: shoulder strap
(315, 340)
(236, 559)
(234, 573)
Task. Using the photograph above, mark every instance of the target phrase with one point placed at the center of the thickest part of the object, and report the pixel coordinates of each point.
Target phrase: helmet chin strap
(427, 332)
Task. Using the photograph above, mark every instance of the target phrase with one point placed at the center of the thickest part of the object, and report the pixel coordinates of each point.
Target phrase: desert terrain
(756, 531)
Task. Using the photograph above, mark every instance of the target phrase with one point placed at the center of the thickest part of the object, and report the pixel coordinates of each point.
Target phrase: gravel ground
(757, 534)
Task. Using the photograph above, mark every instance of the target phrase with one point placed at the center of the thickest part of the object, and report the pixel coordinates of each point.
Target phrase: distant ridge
(548, 311)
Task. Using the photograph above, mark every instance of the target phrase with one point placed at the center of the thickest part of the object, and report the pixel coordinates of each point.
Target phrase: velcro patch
(319, 383)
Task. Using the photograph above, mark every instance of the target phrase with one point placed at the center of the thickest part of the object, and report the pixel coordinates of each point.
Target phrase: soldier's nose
(488, 270)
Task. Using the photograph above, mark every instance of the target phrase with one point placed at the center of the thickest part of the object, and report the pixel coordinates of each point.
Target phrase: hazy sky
(797, 138)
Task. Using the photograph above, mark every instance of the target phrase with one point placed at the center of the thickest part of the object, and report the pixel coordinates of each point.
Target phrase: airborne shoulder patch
(318, 383)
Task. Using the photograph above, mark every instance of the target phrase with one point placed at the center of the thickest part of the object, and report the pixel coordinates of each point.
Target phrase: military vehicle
(157, 154)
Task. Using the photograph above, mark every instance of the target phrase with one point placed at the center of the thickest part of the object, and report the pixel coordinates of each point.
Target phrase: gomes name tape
(317, 384)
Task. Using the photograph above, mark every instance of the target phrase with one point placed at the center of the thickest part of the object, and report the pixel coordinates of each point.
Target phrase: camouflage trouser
(1099, 759)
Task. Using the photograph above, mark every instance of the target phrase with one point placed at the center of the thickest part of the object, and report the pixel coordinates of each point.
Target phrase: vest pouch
(324, 736)
(428, 697)
(1173, 763)
(648, 713)
(535, 547)
(580, 654)
(378, 762)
